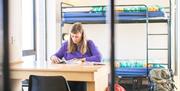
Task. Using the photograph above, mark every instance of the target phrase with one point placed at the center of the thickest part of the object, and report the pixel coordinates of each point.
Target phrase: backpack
(161, 79)
(117, 87)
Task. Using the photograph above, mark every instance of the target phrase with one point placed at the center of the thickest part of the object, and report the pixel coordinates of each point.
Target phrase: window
(28, 29)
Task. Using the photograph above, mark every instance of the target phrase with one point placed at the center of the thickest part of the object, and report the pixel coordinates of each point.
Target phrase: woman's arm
(56, 58)
(96, 56)
(60, 53)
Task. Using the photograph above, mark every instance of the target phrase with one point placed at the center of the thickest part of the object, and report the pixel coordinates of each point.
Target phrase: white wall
(40, 23)
(51, 27)
(177, 77)
(118, 2)
(130, 39)
(15, 29)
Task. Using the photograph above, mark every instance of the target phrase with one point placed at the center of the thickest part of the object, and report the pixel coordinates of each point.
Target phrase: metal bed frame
(147, 21)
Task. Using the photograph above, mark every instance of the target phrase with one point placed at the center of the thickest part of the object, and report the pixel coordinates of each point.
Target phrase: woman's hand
(55, 60)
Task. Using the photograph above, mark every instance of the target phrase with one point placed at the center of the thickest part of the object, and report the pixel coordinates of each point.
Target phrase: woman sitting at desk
(77, 47)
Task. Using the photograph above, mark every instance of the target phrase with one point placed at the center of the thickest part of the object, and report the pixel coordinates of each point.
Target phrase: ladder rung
(157, 34)
(157, 48)
(159, 63)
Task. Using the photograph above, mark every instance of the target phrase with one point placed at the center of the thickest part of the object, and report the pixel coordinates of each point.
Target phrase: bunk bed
(124, 14)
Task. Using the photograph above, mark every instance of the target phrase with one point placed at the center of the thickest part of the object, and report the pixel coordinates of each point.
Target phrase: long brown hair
(77, 28)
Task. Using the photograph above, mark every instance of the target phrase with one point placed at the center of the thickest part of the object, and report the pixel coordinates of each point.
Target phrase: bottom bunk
(134, 74)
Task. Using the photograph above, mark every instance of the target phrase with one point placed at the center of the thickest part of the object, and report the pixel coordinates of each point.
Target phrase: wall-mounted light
(65, 36)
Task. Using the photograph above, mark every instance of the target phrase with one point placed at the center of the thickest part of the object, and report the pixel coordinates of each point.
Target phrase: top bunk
(123, 14)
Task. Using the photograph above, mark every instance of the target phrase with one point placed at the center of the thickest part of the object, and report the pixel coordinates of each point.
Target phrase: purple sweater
(92, 54)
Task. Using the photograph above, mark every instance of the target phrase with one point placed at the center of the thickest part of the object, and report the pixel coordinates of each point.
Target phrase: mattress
(89, 17)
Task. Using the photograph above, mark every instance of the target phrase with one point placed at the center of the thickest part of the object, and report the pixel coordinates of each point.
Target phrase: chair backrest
(47, 83)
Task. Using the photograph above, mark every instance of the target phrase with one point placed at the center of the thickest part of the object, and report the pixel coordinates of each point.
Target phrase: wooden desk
(96, 76)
